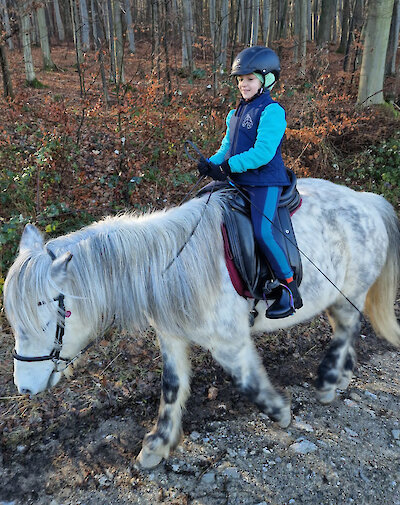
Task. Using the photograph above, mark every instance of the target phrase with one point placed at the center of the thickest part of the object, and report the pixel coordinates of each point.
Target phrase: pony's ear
(31, 239)
(59, 267)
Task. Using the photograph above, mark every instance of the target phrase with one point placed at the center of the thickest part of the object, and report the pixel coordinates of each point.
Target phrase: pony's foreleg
(242, 362)
(175, 389)
(336, 369)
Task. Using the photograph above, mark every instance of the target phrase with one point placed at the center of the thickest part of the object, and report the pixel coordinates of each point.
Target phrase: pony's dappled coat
(167, 269)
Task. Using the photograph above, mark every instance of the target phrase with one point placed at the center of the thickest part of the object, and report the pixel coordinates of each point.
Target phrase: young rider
(250, 154)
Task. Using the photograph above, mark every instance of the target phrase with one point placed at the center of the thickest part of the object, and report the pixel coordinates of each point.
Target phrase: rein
(195, 186)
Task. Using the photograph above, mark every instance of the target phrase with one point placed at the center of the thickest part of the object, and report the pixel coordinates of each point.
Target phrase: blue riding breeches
(264, 202)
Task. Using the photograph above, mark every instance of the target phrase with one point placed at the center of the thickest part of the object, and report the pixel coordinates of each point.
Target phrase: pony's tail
(381, 297)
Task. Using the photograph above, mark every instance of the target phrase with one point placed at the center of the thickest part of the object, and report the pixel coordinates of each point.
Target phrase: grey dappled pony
(127, 272)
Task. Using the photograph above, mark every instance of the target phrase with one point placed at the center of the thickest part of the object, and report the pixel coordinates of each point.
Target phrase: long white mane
(129, 271)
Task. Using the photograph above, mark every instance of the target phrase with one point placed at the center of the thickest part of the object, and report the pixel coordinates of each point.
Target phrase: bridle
(54, 355)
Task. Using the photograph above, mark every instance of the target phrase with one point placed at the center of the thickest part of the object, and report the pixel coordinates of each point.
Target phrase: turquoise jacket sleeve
(219, 156)
(270, 132)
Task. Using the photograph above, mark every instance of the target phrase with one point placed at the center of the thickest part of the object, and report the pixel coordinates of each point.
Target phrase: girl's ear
(269, 80)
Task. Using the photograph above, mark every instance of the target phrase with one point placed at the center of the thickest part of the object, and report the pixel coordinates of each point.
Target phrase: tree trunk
(26, 42)
(95, 27)
(6, 22)
(302, 35)
(77, 42)
(165, 43)
(59, 21)
(224, 34)
(84, 28)
(345, 26)
(5, 71)
(324, 28)
(213, 21)
(187, 41)
(119, 41)
(111, 40)
(97, 45)
(265, 21)
(375, 45)
(255, 22)
(129, 26)
(44, 39)
(393, 40)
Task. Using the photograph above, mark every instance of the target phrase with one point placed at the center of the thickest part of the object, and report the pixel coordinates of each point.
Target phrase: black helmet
(259, 59)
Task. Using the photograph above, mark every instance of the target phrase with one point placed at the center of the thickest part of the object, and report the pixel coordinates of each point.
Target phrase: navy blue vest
(242, 133)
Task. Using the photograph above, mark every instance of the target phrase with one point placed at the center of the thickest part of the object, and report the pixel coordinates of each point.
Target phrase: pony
(167, 270)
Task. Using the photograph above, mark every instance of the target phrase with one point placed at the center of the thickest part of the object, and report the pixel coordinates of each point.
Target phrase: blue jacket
(252, 143)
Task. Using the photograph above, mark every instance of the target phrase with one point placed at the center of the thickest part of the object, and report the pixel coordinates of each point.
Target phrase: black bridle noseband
(54, 356)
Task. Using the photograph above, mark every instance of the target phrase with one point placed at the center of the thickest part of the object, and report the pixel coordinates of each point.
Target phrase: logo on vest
(247, 122)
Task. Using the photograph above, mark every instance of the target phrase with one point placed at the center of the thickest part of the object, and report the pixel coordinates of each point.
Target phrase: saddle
(250, 272)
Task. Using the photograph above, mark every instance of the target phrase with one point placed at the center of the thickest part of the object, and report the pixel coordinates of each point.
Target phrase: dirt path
(76, 444)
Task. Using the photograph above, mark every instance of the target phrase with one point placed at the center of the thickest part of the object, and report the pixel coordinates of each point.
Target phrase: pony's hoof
(286, 417)
(147, 459)
(326, 397)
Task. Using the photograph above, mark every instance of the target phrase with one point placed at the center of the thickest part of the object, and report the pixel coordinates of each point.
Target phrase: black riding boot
(286, 304)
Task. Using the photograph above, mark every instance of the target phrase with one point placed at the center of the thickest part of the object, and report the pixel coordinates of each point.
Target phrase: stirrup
(282, 306)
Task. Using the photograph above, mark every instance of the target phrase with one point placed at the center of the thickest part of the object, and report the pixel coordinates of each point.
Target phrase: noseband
(54, 356)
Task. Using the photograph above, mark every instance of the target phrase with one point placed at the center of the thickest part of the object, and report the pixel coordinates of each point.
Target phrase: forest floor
(77, 443)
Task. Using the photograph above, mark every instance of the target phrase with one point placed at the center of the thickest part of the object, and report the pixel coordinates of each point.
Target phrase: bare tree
(48, 63)
(59, 21)
(370, 90)
(393, 40)
(84, 27)
(255, 22)
(5, 21)
(266, 7)
(324, 28)
(129, 26)
(26, 42)
(187, 38)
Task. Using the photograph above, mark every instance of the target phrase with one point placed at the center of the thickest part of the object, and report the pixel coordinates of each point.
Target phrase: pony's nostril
(25, 391)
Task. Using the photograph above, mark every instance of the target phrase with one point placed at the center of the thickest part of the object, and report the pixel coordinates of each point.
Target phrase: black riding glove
(216, 172)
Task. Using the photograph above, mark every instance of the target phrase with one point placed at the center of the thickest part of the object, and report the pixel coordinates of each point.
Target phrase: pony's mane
(129, 271)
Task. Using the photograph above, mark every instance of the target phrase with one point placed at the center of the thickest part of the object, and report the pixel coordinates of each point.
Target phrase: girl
(250, 154)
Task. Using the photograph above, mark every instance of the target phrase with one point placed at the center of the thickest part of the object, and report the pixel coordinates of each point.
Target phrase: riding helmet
(256, 59)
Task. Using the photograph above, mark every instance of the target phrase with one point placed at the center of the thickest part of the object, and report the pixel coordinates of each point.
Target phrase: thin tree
(324, 28)
(5, 70)
(345, 26)
(129, 26)
(255, 22)
(266, 6)
(26, 43)
(59, 21)
(302, 35)
(393, 40)
(370, 90)
(187, 39)
(48, 63)
(5, 20)
(84, 27)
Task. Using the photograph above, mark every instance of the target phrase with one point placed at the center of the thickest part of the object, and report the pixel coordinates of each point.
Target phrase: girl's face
(248, 85)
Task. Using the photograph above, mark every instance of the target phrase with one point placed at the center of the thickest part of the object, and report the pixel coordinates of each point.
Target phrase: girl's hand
(216, 172)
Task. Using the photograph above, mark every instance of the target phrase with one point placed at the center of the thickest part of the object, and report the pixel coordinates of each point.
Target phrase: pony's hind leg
(240, 359)
(336, 369)
(175, 389)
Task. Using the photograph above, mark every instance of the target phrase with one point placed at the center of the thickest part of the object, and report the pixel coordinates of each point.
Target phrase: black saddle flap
(249, 261)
